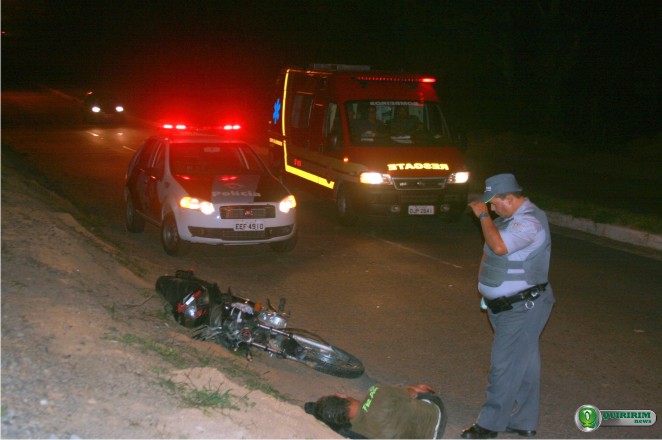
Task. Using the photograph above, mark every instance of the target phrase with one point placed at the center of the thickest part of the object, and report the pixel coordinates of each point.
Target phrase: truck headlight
(287, 204)
(459, 177)
(376, 178)
(196, 204)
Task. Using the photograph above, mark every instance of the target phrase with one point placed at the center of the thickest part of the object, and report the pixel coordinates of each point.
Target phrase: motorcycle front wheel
(325, 358)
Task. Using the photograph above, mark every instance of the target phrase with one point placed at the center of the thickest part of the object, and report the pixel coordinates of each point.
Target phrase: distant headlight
(376, 179)
(287, 204)
(96, 108)
(119, 109)
(459, 177)
(193, 203)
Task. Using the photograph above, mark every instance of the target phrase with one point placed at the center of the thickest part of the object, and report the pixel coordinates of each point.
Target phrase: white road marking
(420, 253)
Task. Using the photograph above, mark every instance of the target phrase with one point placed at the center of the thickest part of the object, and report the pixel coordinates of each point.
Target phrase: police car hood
(410, 161)
(233, 189)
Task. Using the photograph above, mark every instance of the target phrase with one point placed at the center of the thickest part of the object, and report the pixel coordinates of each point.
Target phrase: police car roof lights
(230, 127)
(201, 129)
(169, 126)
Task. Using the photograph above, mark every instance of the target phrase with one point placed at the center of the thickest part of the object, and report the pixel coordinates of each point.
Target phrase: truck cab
(376, 141)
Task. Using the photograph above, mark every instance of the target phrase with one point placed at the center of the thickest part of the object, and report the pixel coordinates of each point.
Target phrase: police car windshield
(213, 159)
(396, 122)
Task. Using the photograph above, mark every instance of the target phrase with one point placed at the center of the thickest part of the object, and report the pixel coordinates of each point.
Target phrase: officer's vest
(494, 268)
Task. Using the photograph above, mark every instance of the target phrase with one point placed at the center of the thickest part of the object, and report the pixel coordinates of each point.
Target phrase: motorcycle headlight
(373, 178)
(272, 319)
(196, 204)
(287, 204)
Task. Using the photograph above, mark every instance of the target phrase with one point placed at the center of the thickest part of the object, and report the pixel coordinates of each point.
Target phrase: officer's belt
(530, 294)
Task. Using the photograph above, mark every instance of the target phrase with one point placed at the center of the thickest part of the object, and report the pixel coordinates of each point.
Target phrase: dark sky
(572, 62)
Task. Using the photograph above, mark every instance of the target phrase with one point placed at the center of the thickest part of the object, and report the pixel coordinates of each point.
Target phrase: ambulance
(376, 142)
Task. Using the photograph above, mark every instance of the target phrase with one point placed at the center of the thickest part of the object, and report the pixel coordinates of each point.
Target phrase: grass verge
(187, 356)
(599, 214)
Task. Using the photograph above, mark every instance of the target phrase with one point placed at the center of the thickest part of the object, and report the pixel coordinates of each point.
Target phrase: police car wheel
(134, 222)
(172, 242)
(455, 214)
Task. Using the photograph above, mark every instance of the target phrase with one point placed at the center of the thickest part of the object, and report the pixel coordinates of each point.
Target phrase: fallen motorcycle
(240, 323)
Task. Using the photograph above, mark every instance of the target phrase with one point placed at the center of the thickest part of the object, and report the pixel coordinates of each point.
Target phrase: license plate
(421, 210)
(249, 226)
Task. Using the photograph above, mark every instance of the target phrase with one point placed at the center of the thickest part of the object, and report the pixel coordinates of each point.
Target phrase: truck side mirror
(333, 143)
(462, 141)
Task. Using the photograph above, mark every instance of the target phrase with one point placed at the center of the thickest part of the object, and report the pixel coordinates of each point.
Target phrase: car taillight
(229, 127)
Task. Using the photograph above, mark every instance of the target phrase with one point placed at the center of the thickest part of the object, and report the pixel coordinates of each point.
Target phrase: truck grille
(248, 211)
(405, 198)
(419, 183)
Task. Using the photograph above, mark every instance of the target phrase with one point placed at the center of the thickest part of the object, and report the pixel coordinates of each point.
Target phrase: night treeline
(587, 70)
(582, 70)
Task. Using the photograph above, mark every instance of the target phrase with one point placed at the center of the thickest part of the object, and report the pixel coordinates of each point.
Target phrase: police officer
(518, 297)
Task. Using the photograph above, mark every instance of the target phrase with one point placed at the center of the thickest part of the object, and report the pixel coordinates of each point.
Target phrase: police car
(201, 188)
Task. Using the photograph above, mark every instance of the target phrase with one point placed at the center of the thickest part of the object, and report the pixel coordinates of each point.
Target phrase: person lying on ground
(385, 412)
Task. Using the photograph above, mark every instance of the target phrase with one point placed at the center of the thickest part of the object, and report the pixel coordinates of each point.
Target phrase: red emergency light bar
(174, 126)
(410, 79)
(184, 127)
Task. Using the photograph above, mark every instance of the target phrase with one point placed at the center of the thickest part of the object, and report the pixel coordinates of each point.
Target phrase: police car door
(154, 175)
(139, 177)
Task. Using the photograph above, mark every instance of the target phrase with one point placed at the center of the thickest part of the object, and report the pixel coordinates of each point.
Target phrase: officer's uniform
(513, 393)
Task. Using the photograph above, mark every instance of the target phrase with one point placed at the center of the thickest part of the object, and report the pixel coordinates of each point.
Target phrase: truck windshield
(396, 122)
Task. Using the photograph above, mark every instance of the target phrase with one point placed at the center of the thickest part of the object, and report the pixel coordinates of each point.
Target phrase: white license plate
(421, 210)
(249, 226)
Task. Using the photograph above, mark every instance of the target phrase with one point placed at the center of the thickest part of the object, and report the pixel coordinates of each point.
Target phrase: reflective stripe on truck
(349, 172)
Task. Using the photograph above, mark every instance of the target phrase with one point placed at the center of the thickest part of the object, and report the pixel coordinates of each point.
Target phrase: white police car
(207, 189)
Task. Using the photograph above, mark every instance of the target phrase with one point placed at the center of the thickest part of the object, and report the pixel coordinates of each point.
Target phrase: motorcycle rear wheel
(335, 361)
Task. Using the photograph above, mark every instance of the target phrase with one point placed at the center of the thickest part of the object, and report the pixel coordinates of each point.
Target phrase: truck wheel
(172, 242)
(347, 215)
(455, 214)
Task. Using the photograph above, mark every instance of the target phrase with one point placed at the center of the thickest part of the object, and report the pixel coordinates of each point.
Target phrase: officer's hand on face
(478, 207)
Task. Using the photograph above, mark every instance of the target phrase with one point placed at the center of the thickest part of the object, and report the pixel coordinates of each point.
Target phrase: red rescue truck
(376, 141)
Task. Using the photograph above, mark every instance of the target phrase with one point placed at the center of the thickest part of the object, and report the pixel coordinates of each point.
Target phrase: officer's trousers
(513, 392)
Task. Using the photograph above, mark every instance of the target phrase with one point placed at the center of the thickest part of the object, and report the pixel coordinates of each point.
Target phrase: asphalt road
(399, 294)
